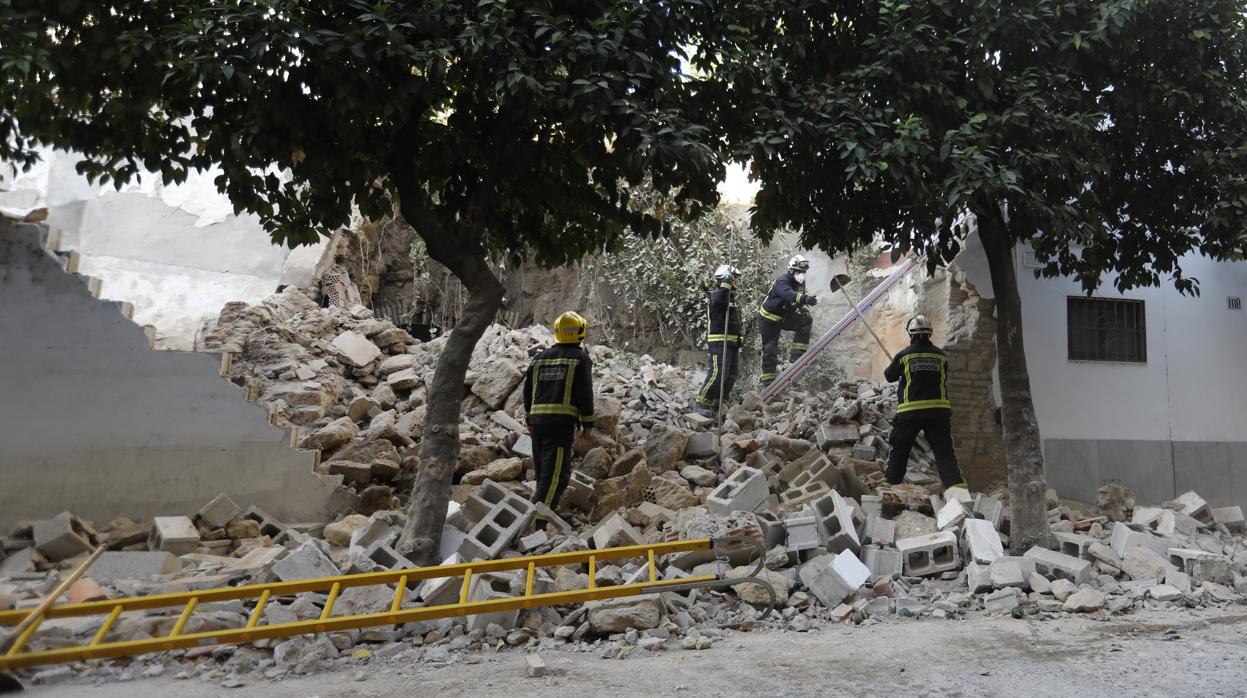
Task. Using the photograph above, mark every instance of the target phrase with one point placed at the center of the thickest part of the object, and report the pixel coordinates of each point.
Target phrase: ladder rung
(259, 609)
(653, 568)
(186, 615)
(397, 603)
(593, 571)
(108, 624)
(467, 580)
(528, 581)
(333, 598)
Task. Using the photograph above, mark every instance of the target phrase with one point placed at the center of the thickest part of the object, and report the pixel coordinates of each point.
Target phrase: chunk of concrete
(619, 615)
(219, 511)
(356, 348)
(62, 537)
(930, 554)
(308, 561)
(982, 542)
(952, 513)
(1054, 565)
(173, 534)
(137, 564)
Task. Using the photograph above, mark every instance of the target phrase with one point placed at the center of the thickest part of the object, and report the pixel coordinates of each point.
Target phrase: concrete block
(1074, 544)
(1054, 565)
(989, 509)
(1182, 558)
(62, 537)
(373, 531)
(802, 531)
(24, 561)
(452, 539)
(745, 490)
(1193, 505)
(796, 497)
(829, 434)
(173, 534)
(699, 445)
(443, 590)
(879, 531)
(1146, 516)
(1230, 517)
(929, 554)
(1007, 572)
(455, 516)
(872, 505)
(488, 495)
(269, 525)
(1144, 563)
(484, 592)
(978, 577)
(385, 556)
(835, 523)
(952, 513)
(308, 561)
(1124, 538)
(497, 530)
(824, 583)
(982, 542)
(1004, 600)
(137, 564)
(614, 527)
(579, 492)
(523, 446)
(220, 511)
(850, 569)
(882, 562)
(960, 494)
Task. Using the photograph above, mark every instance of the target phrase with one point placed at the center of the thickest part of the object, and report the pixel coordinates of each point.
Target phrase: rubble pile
(799, 476)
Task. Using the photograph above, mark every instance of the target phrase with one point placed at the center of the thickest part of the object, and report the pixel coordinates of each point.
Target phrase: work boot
(705, 411)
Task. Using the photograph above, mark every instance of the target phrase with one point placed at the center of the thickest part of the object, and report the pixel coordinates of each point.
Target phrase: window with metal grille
(1103, 329)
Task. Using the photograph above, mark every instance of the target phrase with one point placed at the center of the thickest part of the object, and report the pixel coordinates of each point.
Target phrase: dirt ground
(1152, 653)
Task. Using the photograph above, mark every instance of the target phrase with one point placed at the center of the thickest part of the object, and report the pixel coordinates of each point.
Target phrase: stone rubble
(800, 476)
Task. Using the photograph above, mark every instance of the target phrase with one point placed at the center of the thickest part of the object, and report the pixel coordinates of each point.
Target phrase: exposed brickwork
(971, 347)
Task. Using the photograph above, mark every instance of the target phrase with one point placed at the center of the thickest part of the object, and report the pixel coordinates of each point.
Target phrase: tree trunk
(1028, 516)
(461, 252)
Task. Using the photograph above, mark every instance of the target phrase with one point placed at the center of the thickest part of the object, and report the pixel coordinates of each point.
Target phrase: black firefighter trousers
(552, 456)
(800, 324)
(936, 425)
(723, 369)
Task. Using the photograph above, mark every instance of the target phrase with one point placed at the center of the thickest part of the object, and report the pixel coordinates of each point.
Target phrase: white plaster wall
(95, 422)
(1193, 386)
(177, 253)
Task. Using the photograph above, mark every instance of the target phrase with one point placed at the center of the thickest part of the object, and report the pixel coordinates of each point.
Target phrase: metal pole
(867, 324)
(727, 316)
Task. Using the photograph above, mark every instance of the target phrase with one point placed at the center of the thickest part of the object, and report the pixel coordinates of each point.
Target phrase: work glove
(810, 300)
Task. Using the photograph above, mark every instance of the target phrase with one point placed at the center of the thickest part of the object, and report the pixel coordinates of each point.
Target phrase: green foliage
(666, 279)
(1111, 133)
(507, 125)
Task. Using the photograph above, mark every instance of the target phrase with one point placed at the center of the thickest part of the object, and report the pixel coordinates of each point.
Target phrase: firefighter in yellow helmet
(558, 399)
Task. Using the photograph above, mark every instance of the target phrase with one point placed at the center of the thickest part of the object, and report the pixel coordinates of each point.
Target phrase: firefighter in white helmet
(723, 337)
(922, 370)
(785, 308)
(558, 400)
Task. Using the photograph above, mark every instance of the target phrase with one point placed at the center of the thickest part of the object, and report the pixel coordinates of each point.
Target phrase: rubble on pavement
(800, 476)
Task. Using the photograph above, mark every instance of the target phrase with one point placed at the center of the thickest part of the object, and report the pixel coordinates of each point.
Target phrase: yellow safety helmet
(570, 328)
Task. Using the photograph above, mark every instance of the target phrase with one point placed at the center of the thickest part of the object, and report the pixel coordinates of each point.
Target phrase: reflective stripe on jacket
(922, 369)
(721, 306)
(558, 387)
(785, 295)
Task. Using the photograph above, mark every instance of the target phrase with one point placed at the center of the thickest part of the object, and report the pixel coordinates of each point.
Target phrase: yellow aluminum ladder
(99, 647)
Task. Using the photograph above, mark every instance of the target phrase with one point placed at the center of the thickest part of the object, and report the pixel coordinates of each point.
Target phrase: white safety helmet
(918, 324)
(798, 263)
(726, 272)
